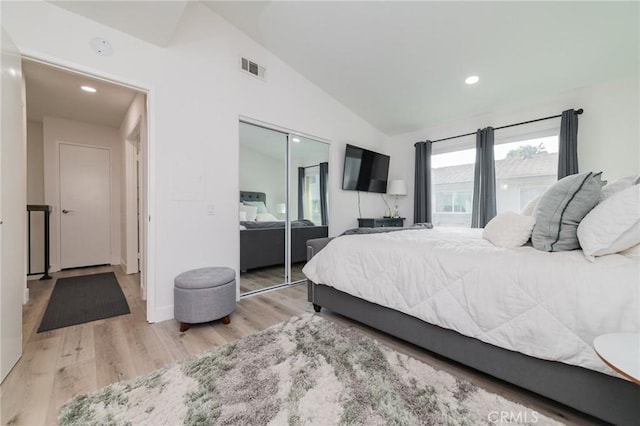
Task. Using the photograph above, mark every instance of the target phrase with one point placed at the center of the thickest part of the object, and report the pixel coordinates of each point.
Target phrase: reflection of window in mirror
(313, 191)
(312, 195)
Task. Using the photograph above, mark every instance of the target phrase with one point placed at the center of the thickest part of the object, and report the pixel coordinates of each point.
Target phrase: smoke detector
(101, 46)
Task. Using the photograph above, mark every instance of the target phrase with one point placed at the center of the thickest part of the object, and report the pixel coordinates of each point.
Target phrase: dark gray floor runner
(77, 300)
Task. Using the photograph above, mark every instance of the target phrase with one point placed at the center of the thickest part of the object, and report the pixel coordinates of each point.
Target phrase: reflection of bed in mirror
(262, 244)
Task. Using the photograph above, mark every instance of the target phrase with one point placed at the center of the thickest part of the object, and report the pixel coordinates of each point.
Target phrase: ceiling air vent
(253, 68)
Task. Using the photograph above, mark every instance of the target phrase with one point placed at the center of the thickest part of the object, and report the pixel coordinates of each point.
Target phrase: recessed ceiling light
(88, 89)
(296, 140)
(473, 79)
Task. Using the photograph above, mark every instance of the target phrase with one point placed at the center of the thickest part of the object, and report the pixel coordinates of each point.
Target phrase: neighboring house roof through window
(508, 168)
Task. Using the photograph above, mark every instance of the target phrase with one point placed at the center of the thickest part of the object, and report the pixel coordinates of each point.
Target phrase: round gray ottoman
(203, 295)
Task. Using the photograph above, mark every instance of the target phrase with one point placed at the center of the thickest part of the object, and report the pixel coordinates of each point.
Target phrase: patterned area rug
(304, 371)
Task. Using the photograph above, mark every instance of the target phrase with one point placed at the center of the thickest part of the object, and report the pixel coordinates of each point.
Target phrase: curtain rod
(313, 165)
(579, 111)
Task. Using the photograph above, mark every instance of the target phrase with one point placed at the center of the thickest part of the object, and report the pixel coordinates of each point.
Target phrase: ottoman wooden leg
(184, 327)
(227, 319)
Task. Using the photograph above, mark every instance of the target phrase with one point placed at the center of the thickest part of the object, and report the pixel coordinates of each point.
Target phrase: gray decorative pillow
(561, 209)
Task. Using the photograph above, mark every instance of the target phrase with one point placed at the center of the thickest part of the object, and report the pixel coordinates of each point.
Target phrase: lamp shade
(397, 187)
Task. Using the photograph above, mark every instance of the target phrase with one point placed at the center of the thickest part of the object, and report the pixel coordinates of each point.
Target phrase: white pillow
(258, 204)
(509, 229)
(613, 225)
(619, 185)
(242, 216)
(631, 252)
(249, 211)
(266, 217)
(530, 207)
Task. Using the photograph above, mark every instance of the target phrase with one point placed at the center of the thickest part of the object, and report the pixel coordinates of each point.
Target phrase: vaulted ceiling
(152, 21)
(401, 65)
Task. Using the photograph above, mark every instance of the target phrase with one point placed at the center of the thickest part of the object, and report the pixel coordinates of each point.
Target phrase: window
(526, 164)
(311, 196)
(444, 202)
(524, 170)
(529, 193)
(453, 202)
(452, 176)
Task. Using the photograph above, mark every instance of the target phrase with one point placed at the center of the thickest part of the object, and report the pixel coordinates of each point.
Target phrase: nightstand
(381, 222)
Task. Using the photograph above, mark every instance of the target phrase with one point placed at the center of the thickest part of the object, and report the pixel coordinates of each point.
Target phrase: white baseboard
(163, 313)
(123, 266)
(34, 277)
(26, 296)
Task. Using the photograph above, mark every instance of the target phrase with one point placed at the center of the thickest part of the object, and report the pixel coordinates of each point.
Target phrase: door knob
(65, 211)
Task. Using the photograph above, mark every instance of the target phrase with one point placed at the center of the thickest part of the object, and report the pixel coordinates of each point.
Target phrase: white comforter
(547, 305)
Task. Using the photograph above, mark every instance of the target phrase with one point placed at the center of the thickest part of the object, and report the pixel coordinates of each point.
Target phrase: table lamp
(397, 187)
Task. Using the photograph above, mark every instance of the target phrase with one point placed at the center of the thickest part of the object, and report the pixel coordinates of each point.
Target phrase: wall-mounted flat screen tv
(365, 170)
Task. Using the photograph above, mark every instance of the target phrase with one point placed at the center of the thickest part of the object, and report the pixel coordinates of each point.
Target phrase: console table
(381, 222)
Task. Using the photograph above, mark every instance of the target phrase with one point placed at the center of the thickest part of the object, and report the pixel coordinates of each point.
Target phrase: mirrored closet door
(308, 197)
(283, 203)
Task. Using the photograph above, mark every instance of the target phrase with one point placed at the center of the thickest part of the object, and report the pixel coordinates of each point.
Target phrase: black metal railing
(47, 212)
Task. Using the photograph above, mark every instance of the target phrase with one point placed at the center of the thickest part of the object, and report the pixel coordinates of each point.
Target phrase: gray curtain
(422, 188)
(484, 180)
(568, 144)
(300, 193)
(324, 208)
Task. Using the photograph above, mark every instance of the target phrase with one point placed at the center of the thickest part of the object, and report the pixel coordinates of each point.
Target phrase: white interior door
(13, 205)
(85, 206)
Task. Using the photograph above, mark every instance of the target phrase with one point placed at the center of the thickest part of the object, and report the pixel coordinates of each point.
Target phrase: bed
(524, 316)
(262, 244)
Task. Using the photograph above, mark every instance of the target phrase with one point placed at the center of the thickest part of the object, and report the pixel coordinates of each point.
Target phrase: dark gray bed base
(265, 247)
(605, 397)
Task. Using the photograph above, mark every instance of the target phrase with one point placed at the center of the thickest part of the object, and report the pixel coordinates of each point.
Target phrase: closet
(283, 202)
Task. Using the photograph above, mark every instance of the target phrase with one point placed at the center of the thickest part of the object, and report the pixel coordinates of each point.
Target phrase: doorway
(87, 142)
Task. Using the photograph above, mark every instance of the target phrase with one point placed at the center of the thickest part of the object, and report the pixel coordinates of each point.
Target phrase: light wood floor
(60, 364)
(257, 279)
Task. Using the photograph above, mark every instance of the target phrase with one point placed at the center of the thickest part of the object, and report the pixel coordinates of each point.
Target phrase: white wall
(608, 131)
(56, 130)
(35, 163)
(262, 173)
(197, 95)
(35, 192)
